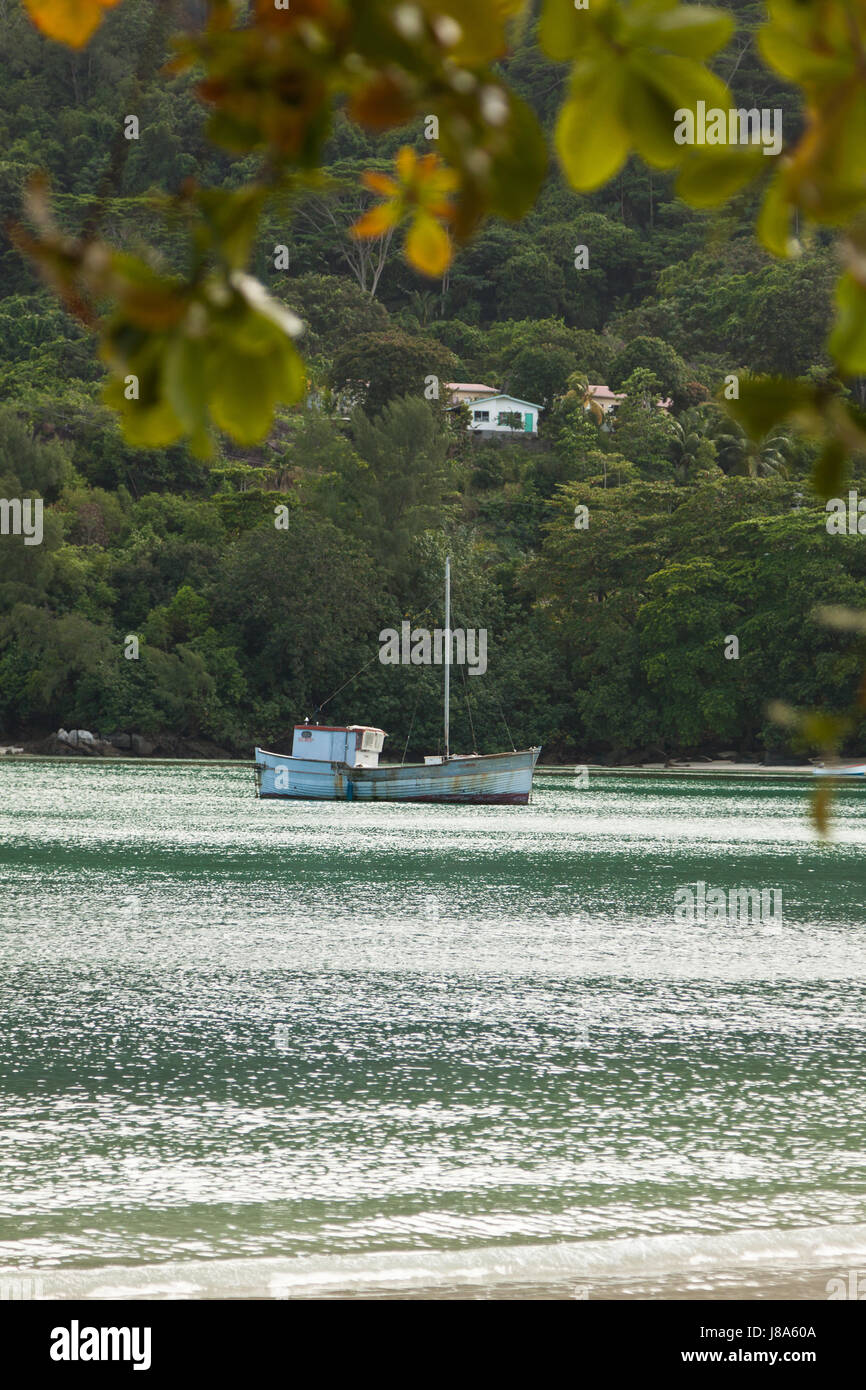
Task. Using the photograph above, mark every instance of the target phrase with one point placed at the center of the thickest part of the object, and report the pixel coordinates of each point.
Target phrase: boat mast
(447, 651)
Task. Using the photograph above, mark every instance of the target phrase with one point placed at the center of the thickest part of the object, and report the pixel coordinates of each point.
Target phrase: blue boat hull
(494, 779)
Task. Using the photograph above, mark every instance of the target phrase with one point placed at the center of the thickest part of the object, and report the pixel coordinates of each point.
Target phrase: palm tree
(738, 455)
(579, 383)
(423, 305)
(688, 434)
(772, 457)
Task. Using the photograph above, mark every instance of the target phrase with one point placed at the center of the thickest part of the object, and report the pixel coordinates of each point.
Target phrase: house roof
(515, 400)
(602, 392)
(470, 386)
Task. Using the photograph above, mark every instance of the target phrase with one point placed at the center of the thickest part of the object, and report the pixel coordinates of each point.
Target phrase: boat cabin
(358, 745)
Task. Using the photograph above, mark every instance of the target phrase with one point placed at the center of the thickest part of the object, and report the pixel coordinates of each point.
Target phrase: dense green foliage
(604, 639)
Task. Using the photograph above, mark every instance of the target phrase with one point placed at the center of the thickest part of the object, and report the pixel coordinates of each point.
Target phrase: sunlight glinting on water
(241, 1032)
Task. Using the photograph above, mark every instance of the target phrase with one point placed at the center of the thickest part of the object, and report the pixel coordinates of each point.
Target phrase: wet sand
(771, 1285)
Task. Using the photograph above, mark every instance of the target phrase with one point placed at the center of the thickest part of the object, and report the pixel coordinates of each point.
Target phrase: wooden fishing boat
(341, 763)
(312, 773)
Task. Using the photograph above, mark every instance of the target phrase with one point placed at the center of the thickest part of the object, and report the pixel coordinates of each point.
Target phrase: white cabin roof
(343, 728)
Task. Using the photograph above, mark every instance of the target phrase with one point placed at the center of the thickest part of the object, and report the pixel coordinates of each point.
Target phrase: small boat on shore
(341, 763)
(841, 770)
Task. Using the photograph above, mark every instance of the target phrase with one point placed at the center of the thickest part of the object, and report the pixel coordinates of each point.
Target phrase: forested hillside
(606, 640)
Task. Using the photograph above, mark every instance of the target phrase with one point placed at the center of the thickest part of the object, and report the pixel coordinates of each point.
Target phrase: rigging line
(373, 658)
(495, 695)
(469, 710)
(411, 725)
(505, 722)
(496, 698)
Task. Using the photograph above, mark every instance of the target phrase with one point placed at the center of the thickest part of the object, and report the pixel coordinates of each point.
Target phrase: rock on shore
(121, 744)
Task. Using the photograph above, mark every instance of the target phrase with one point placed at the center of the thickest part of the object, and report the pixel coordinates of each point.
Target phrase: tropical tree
(739, 455)
(423, 304)
(376, 368)
(641, 428)
(692, 450)
(579, 388)
(655, 356)
(406, 477)
(538, 373)
(193, 344)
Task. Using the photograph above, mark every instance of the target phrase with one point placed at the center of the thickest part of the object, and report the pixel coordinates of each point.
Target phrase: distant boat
(341, 763)
(841, 770)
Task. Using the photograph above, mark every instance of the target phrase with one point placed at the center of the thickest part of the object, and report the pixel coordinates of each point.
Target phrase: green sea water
(269, 1048)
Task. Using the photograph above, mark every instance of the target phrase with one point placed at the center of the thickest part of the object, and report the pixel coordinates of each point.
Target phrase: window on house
(481, 414)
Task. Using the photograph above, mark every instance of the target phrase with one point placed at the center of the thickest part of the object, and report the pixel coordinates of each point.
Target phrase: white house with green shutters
(502, 414)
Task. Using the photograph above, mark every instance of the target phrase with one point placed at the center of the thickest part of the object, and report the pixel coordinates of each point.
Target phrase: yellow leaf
(774, 220)
(379, 183)
(433, 179)
(428, 246)
(149, 426)
(69, 21)
(376, 221)
(405, 163)
(444, 211)
(592, 137)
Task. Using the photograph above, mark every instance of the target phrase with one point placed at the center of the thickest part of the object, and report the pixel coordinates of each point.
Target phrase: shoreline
(717, 768)
(797, 1264)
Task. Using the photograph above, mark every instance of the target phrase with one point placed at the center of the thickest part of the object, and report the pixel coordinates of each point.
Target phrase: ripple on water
(234, 1030)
